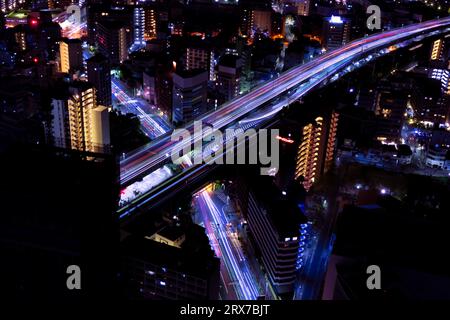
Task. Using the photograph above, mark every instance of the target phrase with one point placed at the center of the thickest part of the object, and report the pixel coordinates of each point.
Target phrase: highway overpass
(255, 109)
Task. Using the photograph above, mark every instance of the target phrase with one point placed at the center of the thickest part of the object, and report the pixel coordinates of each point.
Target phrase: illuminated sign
(336, 19)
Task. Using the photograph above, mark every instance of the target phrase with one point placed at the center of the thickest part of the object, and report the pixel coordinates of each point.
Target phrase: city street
(236, 274)
(152, 124)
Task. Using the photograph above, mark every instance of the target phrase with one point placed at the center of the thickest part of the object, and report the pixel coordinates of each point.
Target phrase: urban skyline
(225, 150)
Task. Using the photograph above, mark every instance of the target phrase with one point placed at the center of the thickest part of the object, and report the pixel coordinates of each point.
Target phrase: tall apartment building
(20, 37)
(149, 86)
(229, 77)
(255, 20)
(199, 57)
(144, 24)
(262, 20)
(138, 26)
(246, 23)
(316, 150)
(70, 55)
(390, 105)
(303, 7)
(336, 32)
(78, 122)
(275, 224)
(189, 95)
(49, 37)
(99, 74)
(437, 50)
(99, 13)
(150, 26)
(111, 38)
(196, 58)
(164, 72)
(443, 75)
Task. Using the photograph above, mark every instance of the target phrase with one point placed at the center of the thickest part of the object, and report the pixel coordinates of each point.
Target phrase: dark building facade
(48, 226)
(274, 224)
(189, 95)
(112, 40)
(157, 268)
(99, 74)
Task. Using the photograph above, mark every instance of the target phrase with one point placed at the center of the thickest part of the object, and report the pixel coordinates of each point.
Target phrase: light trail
(156, 154)
(150, 127)
(74, 31)
(137, 163)
(228, 249)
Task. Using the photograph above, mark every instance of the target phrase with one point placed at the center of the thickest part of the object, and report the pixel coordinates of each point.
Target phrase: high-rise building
(245, 54)
(70, 55)
(443, 76)
(336, 32)
(199, 57)
(150, 26)
(303, 7)
(229, 77)
(101, 12)
(139, 26)
(316, 151)
(112, 40)
(49, 37)
(275, 223)
(262, 21)
(20, 37)
(164, 86)
(437, 50)
(99, 74)
(189, 95)
(390, 105)
(149, 86)
(253, 20)
(78, 122)
(196, 58)
(246, 24)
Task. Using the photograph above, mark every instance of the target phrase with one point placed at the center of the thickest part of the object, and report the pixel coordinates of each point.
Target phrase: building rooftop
(112, 25)
(194, 257)
(229, 60)
(171, 232)
(189, 73)
(97, 58)
(284, 213)
(82, 85)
